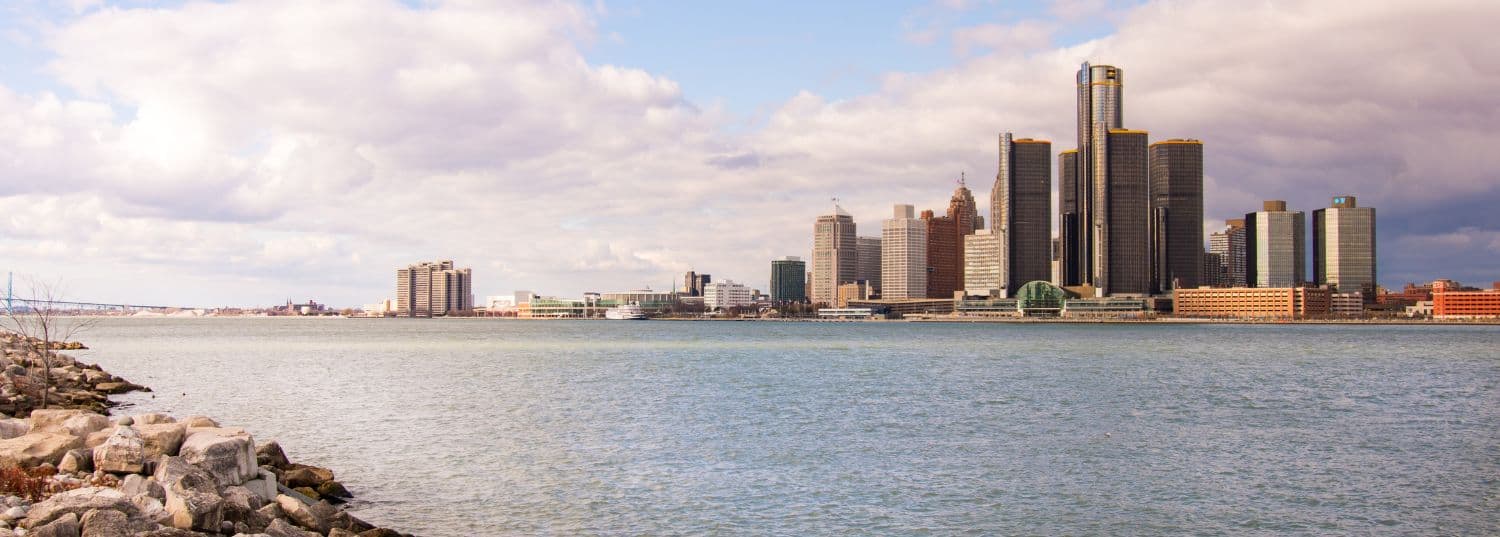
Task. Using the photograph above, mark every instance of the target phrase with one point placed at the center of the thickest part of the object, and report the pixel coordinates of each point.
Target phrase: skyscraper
(965, 215)
(430, 289)
(1344, 247)
(1020, 203)
(787, 280)
(835, 256)
(1176, 214)
(1121, 234)
(903, 256)
(1069, 218)
(689, 284)
(984, 271)
(1230, 247)
(1275, 246)
(869, 263)
(1100, 90)
(944, 257)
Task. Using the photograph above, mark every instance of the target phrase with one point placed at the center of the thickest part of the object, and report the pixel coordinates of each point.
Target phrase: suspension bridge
(14, 303)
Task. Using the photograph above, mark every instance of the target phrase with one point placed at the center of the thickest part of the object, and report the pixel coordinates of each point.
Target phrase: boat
(625, 312)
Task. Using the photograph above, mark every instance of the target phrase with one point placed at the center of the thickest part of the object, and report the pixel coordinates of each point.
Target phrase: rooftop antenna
(961, 178)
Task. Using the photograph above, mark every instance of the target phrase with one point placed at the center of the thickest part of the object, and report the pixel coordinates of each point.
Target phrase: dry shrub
(29, 483)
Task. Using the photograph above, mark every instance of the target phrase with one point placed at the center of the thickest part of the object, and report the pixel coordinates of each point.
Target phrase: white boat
(625, 312)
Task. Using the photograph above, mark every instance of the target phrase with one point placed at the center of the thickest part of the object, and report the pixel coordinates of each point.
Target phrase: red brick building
(1448, 300)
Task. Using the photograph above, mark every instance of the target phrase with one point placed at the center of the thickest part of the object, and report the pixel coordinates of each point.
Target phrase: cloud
(272, 148)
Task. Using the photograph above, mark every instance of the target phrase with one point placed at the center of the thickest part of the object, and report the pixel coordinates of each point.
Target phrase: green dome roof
(1040, 295)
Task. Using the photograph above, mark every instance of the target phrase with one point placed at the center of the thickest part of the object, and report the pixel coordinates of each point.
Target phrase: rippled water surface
(485, 427)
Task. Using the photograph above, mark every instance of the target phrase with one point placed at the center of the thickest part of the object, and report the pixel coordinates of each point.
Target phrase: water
(485, 427)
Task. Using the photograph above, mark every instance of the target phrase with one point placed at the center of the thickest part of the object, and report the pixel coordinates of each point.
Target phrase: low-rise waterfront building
(845, 313)
(725, 294)
(1253, 302)
(899, 307)
(1346, 304)
(1449, 303)
(649, 301)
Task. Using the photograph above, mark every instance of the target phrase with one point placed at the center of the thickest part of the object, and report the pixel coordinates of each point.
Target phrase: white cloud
(269, 144)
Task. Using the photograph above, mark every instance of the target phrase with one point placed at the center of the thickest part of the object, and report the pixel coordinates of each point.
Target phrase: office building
(1121, 233)
(944, 264)
(859, 290)
(984, 269)
(1100, 107)
(1346, 304)
(1176, 168)
(963, 210)
(1344, 247)
(689, 284)
(431, 289)
(1212, 274)
(727, 294)
(835, 258)
(1253, 302)
(903, 256)
(869, 262)
(1275, 246)
(1020, 205)
(1448, 302)
(788, 283)
(1229, 246)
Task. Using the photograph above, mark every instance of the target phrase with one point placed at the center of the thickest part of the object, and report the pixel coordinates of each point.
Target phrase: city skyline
(206, 187)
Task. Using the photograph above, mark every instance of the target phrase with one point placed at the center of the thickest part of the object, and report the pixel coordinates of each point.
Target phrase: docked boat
(625, 312)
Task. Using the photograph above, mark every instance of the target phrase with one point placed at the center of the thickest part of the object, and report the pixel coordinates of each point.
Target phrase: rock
(75, 422)
(264, 486)
(241, 508)
(116, 387)
(123, 453)
(306, 516)
(96, 439)
(194, 510)
(300, 475)
(201, 421)
(151, 509)
(77, 460)
(345, 521)
(36, 448)
(13, 514)
(104, 523)
(308, 492)
(227, 454)
(76, 502)
(279, 528)
(133, 485)
(380, 532)
(270, 454)
(13, 427)
(336, 532)
(268, 512)
(64, 526)
(153, 418)
(162, 438)
(169, 532)
(333, 489)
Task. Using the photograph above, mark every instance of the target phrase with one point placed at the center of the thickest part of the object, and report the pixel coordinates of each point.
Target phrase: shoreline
(74, 469)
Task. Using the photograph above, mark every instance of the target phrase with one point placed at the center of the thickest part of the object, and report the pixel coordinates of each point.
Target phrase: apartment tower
(788, 280)
(1344, 247)
(1275, 246)
(432, 289)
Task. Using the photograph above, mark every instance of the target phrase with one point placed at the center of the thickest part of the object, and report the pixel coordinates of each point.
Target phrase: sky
(248, 152)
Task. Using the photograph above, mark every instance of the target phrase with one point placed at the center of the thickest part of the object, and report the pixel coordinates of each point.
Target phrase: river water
(488, 427)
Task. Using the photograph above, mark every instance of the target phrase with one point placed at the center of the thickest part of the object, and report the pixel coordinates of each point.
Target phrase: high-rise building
(1176, 214)
(431, 289)
(984, 267)
(1020, 204)
(965, 215)
(869, 262)
(903, 256)
(1344, 247)
(1121, 233)
(787, 280)
(1229, 245)
(944, 264)
(1100, 91)
(1275, 246)
(835, 258)
(1212, 274)
(1069, 218)
(689, 284)
(700, 282)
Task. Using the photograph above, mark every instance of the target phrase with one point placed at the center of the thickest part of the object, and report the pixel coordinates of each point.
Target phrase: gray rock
(200, 421)
(133, 485)
(151, 509)
(77, 460)
(72, 421)
(336, 532)
(264, 486)
(270, 454)
(152, 418)
(123, 453)
(36, 448)
(64, 526)
(194, 510)
(227, 454)
(162, 438)
(13, 427)
(177, 473)
(103, 523)
(13, 514)
(77, 502)
(125, 420)
(279, 528)
(302, 514)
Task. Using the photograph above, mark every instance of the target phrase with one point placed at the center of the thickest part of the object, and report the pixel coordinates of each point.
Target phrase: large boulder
(301, 475)
(162, 438)
(263, 486)
(77, 502)
(310, 517)
(151, 509)
(35, 448)
(77, 460)
(227, 454)
(201, 421)
(106, 523)
(152, 418)
(64, 526)
(13, 427)
(279, 528)
(193, 502)
(270, 454)
(73, 421)
(123, 453)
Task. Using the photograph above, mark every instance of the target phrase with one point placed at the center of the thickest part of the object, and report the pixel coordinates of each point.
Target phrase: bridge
(14, 303)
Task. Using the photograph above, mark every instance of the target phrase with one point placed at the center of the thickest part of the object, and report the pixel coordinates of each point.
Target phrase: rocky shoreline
(68, 470)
